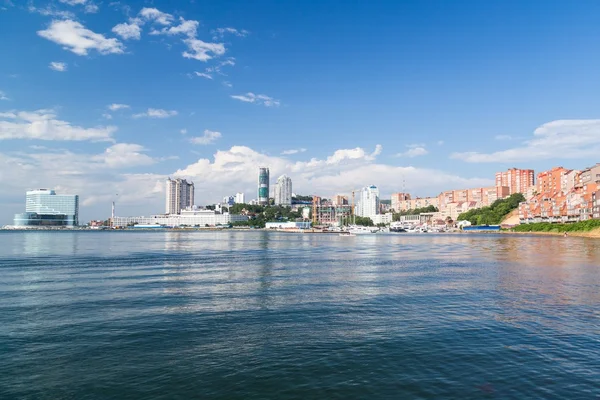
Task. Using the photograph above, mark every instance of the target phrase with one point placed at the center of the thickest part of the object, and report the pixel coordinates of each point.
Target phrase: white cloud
(203, 75)
(156, 113)
(128, 31)
(257, 99)
(73, 2)
(124, 155)
(227, 84)
(91, 8)
(221, 32)
(3, 96)
(185, 27)
(202, 51)
(58, 66)
(292, 151)
(560, 139)
(51, 11)
(107, 116)
(344, 170)
(116, 106)
(208, 137)
(73, 36)
(43, 125)
(183, 131)
(414, 150)
(153, 14)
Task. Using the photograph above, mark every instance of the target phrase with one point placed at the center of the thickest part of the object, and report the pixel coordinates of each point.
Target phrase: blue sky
(103, 97)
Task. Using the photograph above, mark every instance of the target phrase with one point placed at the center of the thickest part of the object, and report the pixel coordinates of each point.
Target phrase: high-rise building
(45, 207)
(263, 186)
(229, 200)
(179, 196)
(240, 198)
(368, 202)
(283, 191)
(517, 180)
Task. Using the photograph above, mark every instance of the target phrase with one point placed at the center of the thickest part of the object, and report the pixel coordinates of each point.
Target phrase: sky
(106, 99)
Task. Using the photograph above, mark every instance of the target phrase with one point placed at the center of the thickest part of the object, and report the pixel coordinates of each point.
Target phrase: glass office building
(43, 207)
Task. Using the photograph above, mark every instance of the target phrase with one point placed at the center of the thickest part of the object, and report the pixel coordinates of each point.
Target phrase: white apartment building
(283, 191)
(368, 202)
(240, 198)
(179, 195)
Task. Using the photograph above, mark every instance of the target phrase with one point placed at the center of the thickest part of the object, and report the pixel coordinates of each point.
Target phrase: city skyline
(102, 98)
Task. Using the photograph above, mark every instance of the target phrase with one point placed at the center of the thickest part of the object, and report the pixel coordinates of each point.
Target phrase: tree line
(495, 213)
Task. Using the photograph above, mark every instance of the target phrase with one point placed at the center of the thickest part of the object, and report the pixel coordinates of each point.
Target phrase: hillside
(493, 214)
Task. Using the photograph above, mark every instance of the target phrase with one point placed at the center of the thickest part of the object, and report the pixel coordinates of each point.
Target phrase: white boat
(361, 230)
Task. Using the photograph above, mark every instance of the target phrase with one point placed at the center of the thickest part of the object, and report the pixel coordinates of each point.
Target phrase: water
(258, 315)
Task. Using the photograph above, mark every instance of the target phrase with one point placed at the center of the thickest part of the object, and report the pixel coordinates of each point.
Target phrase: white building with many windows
(368, 202)
(192, 217)
(283, 191)
(179, 195)
(240, 198)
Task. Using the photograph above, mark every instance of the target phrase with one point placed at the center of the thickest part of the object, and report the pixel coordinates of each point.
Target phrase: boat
(347, 234)
(361, 230)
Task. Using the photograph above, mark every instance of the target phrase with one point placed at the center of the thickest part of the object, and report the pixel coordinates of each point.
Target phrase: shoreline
(594, 234)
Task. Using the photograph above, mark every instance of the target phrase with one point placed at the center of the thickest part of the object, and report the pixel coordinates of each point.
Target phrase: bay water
(266, 315)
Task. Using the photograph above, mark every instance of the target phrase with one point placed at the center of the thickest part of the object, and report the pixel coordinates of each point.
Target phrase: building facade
(283, 191)
(240, 198)
(193, 218)
(179, 195)
(263, 186)
(340, 200)
(368, 202)
(43, 207)
(517, 180)
(397, 199)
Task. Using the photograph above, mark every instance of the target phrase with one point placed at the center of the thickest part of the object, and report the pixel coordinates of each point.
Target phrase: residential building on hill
(283, 191)
(517, 180)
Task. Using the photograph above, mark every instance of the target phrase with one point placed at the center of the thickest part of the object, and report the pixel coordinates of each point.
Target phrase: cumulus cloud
(128, 31)
(91, 9)
(185, 27)
(201, 50)
(257, 99)
(73, 36)
(3, 96)
(154, 15)
(116, 106)
(58, 66)
(414, 150)
(560, 139)
(124, 155)
(156, 113)
(43, 125)
(208, 137)
(292, 151)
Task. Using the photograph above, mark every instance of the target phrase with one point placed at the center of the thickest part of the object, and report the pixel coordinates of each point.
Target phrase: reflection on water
(272, 315)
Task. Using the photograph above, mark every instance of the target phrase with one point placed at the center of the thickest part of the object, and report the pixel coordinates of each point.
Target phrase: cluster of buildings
(563, 195)
(557, 195)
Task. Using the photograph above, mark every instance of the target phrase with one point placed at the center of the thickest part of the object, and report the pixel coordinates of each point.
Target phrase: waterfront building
(552, 181)
(411, 204)
(240, 198)
(590, 175)
(263, 186)
(229, 200)
(327, 213)
(368, 202)
(517, 180)
(306, 213)
(382, 218)
(190, 217)
(179, 195)
(283, 191)
(43, 207)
